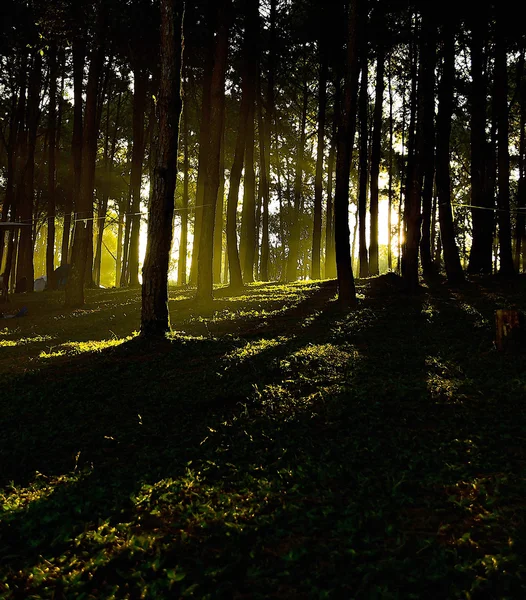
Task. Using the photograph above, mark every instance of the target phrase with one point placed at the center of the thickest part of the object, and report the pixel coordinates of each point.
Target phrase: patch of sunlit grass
(25, 341)
(252, 349)
(92, 346)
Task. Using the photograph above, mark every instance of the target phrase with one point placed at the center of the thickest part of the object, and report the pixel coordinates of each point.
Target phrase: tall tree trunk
(155, 321)
(204, 136)
(84, 209)
(264, 129)
(52, 175)
(391, 151)
(139, 109)
(295, 227)
(247, 239)
(79, 52)
(445, 114)
(412, 207)
(346, 287)
(427, 95)
(183, 242)
(483, 218)
(318, 184)
(501, 108)
(217, 118)
(218, 225)
(24, 263)
(364, 162)
(520, 225)
(376, 157)
(330, 251)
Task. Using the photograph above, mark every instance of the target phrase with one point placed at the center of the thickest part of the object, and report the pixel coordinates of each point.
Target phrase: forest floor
(272, 447)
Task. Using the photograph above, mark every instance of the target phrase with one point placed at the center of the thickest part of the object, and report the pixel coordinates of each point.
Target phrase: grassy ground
(271, 448)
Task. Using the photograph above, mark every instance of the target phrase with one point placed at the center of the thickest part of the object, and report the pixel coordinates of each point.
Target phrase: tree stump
(509, 330)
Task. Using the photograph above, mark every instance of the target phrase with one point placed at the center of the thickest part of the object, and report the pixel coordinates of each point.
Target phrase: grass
(272, 447)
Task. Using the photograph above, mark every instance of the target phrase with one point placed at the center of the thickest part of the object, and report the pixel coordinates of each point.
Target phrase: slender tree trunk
(391, 151)
(318, 184)
(412, 208)
(376, 157)
(24, 263)
(155, 321)
(183, 243)
(445, 113)
(52, 175)
(295, 228)
(346, 287)
(330, 251)
(427, 95)
(84, 209)
(364, 162)
(520, 225)
(204, 136)
(264, 129)
(79, 52)
(501, 108)
(218, 225)
(217, 118)
(139, 109)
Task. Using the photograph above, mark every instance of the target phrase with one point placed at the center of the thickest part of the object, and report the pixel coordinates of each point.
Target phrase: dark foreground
(272, 448)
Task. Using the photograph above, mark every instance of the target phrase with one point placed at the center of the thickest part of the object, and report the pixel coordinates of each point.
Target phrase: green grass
(272, 447)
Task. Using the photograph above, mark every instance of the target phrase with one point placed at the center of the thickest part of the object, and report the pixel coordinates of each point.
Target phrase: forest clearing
(270, 447)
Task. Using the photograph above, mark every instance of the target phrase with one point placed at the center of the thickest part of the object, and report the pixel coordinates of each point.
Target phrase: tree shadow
(265, 464)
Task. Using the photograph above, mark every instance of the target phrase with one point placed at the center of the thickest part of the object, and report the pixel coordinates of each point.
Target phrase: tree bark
(363, 164)
(427, 95)
(217, 118)
(295, 226)
(346, 131)
(84, 209)
(376, 157)
(183, 242)
(139, 109)
(443, 130)
(52, 175)
(155, 322)
(318, 184)
(501, 108)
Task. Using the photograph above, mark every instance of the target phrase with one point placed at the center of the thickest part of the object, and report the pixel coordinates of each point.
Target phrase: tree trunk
(204, 136)
(520, 225)
(183, 242)
(218, 225)
(364, 162)
(217, 118)
(264, 128)
(346, 287)
(52, 175)
(318, 184)
(427, 95)
(24, 263)
(501, 108)
(412, 207)
(391, 151)
(376, 157)
(79, 52)
(330, 251)
(84, 209)
(155, 320)
(295, 227)
(139, 108)
(444, 116)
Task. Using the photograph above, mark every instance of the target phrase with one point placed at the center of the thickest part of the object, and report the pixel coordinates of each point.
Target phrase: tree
(217, 117)
(346, 131)
(155, 320)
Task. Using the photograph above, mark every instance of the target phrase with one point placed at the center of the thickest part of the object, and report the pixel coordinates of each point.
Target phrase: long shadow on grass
(326, 462)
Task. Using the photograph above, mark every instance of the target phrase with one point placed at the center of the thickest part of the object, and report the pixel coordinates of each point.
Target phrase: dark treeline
(264, 139)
